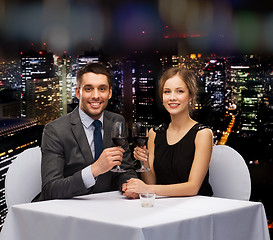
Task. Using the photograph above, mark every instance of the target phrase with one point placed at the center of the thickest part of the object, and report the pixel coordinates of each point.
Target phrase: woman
(178, 155)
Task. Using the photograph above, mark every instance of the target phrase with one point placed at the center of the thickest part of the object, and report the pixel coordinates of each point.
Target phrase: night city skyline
(224, 83)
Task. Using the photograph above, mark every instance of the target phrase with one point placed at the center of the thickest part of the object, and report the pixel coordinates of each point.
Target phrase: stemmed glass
(140, 137)
(119, 136)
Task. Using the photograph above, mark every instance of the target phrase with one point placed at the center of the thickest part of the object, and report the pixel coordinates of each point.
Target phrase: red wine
(119, 141)
(140, 141)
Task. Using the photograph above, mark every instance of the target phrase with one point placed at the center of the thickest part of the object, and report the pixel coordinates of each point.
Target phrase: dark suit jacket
(65, 152)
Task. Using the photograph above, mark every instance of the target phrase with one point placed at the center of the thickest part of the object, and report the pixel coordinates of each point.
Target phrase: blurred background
(223, 25)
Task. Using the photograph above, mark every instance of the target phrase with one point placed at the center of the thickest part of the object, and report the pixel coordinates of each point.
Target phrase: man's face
(93, 94)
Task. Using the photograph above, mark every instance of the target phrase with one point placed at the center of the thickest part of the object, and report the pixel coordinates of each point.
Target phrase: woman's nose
(173, 95)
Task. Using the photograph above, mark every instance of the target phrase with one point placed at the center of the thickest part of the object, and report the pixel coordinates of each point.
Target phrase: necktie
(97, 139)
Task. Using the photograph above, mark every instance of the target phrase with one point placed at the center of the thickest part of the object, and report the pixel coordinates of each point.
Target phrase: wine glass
(140, 137)
(119, 136)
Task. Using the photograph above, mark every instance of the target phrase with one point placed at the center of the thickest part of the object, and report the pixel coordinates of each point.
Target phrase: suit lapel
(78, 131)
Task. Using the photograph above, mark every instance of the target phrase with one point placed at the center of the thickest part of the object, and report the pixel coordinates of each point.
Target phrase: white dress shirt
(87, 175)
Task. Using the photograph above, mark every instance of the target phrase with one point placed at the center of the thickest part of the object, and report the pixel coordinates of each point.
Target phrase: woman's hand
(135, 185)
(141, 154)
(128, 194)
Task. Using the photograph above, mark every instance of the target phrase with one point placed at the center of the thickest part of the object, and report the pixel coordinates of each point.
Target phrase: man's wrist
(95, 170)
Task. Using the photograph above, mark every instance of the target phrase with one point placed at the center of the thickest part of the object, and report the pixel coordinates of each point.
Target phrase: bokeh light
(221, 36)
(59, 23)
(190, 19)
(23, 23)
(268, 32)
(222, 25)
(187, 15)
(135, 25)
(77, 24)
(247, 30)
(2, 12)
(57, 37)
(173, 13)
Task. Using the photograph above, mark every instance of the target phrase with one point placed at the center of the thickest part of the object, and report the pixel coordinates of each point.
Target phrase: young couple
(178, 154)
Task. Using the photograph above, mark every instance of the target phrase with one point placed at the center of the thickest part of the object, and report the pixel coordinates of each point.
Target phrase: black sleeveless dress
(172, 163)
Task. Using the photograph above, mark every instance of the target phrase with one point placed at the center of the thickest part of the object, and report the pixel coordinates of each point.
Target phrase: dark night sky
(72, 26)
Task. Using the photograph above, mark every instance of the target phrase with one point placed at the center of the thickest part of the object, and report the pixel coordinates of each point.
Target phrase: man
(68, 146)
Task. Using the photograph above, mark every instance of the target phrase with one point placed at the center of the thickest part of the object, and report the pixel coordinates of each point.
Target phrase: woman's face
(176, 96)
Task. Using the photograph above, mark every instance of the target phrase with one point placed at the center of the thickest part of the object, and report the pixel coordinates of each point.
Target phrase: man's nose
(95, 93)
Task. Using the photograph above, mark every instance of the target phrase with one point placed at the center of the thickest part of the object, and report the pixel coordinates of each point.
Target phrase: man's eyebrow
(90, 85)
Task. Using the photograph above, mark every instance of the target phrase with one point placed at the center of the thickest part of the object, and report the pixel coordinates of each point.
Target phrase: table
(112, 216)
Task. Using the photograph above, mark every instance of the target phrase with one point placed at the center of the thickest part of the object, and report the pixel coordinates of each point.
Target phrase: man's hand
(109, 158)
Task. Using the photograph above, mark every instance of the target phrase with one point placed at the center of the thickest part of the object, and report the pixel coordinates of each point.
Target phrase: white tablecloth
(113, 217)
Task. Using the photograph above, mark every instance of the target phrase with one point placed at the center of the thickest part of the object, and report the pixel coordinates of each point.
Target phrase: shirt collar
(87, 120)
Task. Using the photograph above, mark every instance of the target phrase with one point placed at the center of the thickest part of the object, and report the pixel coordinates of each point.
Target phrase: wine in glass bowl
(140, 141)
(119, 141)
(140, 137)
(119, 136)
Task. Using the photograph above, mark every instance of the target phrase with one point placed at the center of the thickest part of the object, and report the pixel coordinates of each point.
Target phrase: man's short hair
(96, 68)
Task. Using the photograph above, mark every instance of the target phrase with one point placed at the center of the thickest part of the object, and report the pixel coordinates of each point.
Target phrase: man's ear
(110, 93)
(77, 92)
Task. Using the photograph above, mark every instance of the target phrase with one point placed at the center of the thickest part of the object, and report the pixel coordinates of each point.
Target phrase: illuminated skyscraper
(117, 100)
(90, 57)
(83, 60)
(249, 89)
(129, 78)
(169, 61)
(65, 79)
(10, 75)
(43, 99)
(140, 86)
(10, 105)
(145, 93)
(215, 79)
(35, 65)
